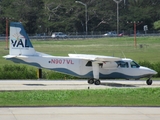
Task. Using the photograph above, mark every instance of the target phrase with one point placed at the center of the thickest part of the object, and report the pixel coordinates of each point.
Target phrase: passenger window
(134, 65)
(89, 63)
(124, 65)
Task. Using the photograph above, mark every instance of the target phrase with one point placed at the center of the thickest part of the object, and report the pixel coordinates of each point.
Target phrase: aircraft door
(85, 68)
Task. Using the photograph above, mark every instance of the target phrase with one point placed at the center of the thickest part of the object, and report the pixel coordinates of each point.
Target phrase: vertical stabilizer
(19, 41)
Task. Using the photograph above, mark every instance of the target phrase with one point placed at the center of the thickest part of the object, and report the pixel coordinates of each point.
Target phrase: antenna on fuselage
(123, 54)
(75, 52)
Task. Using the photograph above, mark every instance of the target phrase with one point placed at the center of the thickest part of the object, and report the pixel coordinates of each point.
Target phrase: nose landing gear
(149, 82)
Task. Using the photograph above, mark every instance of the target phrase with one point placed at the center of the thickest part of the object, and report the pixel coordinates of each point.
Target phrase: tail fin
(20, 43)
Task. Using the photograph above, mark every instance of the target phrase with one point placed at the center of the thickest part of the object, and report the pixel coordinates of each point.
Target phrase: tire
(91, 81)
(149, 82)
(97, 82)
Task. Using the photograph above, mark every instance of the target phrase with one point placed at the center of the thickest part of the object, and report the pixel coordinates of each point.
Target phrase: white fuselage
(125, 69)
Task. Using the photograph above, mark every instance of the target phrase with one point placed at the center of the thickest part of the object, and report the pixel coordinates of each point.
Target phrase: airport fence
(92, 34)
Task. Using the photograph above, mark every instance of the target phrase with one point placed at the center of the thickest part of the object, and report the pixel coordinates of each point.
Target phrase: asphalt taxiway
(10, 85)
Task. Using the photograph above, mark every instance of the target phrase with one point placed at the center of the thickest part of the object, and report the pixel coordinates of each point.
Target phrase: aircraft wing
(97, 58)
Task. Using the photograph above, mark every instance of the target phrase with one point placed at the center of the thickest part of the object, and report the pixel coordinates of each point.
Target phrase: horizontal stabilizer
(14, 56)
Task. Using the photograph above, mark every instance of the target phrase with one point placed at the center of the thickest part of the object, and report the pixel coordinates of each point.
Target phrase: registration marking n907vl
(61, 61)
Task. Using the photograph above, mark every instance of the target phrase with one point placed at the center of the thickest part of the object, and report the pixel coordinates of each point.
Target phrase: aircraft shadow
(117, 85)
(34, 84)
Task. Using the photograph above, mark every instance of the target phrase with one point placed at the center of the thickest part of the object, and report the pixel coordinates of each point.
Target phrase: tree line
(47, 16)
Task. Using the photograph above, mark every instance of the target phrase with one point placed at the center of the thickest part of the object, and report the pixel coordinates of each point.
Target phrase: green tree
(26, 11)
(39, 16)
(157, 25)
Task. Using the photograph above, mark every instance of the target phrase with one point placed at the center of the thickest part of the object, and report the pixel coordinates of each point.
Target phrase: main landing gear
(149, 82)
(94, 81)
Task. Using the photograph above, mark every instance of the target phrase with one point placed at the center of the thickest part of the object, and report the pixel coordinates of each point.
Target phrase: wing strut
(95, 67)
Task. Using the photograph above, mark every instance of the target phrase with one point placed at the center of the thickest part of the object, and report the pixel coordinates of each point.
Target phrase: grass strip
(106, 97)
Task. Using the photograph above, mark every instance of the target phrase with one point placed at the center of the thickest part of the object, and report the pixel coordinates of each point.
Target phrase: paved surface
(80, 113)
(75, 113)
(70, 84)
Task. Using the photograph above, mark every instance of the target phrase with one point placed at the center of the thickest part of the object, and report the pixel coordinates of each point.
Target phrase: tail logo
(17, 43)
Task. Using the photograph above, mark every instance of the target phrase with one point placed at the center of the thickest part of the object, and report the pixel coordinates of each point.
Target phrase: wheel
(149, 82)
(97, 82)
(91, 81)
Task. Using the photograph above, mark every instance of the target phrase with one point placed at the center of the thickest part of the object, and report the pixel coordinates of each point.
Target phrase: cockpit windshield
(134, 65)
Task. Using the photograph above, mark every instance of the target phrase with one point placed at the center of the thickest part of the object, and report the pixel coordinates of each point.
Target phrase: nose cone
(153, 72)
(149, 71)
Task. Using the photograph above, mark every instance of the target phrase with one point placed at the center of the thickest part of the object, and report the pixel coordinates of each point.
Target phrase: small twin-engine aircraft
(93, 67)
